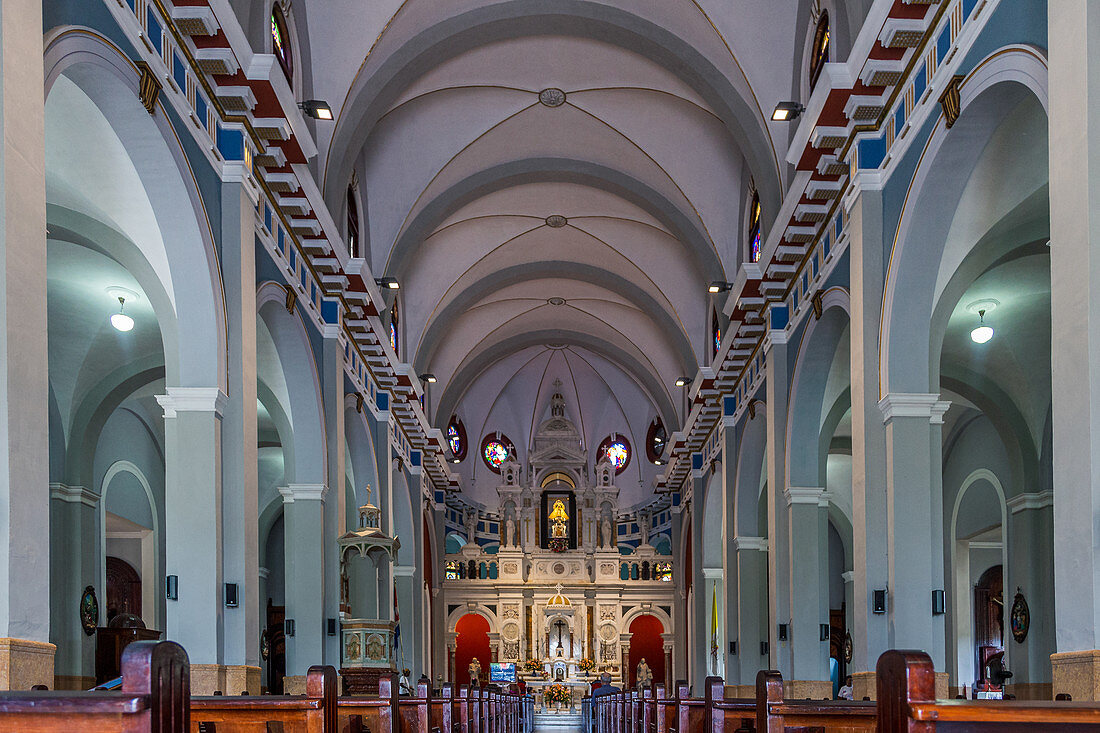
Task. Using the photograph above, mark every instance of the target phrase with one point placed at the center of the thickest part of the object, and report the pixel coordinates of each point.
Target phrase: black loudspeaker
(878, 602)
(230, 595)
(733, 648)
(763, 648)
(331, 630)
(782, 635)
(825, 632)
(171, 587)
(288, 627)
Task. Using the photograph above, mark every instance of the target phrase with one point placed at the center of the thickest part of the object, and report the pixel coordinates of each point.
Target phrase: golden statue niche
(558, 517)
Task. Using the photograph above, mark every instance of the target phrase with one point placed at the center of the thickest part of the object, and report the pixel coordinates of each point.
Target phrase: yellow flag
(714, 620)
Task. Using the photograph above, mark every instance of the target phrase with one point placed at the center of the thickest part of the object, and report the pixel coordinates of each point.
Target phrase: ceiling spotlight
(316, 108)
(456, 459)
(718, 286)
(389, 283)
(982, 333)
(429, 378)
(787, 111)
(657, 462)
(120, 320)
(683, 381)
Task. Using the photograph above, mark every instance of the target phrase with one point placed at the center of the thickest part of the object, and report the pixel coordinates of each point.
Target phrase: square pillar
(304, 521)
(807, 513)
(777, 368)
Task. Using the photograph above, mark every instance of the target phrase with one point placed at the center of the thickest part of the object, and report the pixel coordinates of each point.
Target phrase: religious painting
(1020, 619)
(89, 611)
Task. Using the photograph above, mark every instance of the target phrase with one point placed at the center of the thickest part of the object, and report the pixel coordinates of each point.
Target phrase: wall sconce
(331, 630)
(825, 632)
(782, 634)
(288, 627)
(763, 648)
(230, 595)
(937, 603)
(878, 602)
(171, 588)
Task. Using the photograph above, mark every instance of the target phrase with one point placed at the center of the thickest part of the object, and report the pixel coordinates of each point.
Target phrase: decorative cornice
(713, 573)
(807, 495)
(192, 399)
(303, 492)
(759, 544)
(403, 571)
(264, 573)
(848, 576)
(1031, 500)
(74, 495)
(913, 404)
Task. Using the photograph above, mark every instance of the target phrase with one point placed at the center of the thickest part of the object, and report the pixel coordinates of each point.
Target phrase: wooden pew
(156, 685)
(727, 716)
(776, 715)
(375, 714)
(415, 712)
(906, 684)
(313, 713)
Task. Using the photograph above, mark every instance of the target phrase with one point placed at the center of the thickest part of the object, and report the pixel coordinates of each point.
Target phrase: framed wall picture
(1020, 619)
(89, 611)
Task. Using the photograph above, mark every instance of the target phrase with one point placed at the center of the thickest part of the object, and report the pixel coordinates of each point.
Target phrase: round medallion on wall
(89, 611)
(511, 631)
(1021, 618)
(607, 632)
(552, 97)
(559, 568)
(556, 221)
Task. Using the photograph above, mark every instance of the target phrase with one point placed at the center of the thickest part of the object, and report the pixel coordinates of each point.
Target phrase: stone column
(698, 654)
(668, 640)
(410, 609)
(452, 647)
(624, 655)
(1074, 120)
(239, 442)
(752, 610)
(1031, 570)
(777, 369)
(730, 441)
(807, 514)
(332, 393)
(715, 652)
(869, 630)
(677, 669)
(194, 530)
(26, 656)
(75, 558)
(304, 522)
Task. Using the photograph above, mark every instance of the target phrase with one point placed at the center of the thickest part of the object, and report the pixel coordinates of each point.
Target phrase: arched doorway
(123, 588)
(646, 643)
(989, 617)
(472, 641)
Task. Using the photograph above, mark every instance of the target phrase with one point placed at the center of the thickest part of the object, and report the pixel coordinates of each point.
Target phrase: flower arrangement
(531, 666)
(586, 665)
(559, 544)
(558, 693)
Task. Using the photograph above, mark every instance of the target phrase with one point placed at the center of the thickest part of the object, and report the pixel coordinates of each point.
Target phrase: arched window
(715, 331)
(615, 449)
(395, 324)
(655, 441)
(353, 224)
(819, 52)
(456, 439)
(496, 448)
(754, 228)
(280, 40)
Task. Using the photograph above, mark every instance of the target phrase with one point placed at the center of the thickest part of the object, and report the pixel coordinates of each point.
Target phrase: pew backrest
(315, 712)
(155, 691)
(906, 685)
(775, 714)
(375, 714)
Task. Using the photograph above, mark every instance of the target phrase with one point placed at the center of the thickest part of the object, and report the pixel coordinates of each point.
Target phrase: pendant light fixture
(120, 320)
(982, 333)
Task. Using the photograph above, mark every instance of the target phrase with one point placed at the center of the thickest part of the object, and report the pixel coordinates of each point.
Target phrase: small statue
(558, 517)
(643, 675)
(608, 542)
(509, 533)
(471, 527)
(645, 528)
(475, 671)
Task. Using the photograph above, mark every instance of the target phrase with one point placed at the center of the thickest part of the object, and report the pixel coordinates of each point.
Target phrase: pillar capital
(1030, 500)
(192, 399)
(303, 492)
(759, 544)
(74, 495)
(714, 573)
(913, 404)
(805, 495)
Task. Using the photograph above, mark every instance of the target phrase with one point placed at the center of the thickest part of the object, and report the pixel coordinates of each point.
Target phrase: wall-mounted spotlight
(683, 381)
(388, 283)
(787, 111)
(658, 462)
(719, 286)
(429, 378)
(318, 109)
(172, 587)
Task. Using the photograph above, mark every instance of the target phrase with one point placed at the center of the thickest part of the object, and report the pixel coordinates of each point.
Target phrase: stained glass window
(495, 450)
(616, 450)
(280, 40)
(716, 327)
(663, 572)
(395, 323)
(452, 571)
(655, 440)
(754, 228)
(820, 49)
(456, 438)
(353, 224)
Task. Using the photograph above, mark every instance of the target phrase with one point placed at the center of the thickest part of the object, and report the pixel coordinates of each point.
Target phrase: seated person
(846, 692)
(605, 688)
